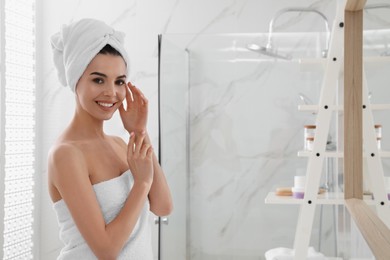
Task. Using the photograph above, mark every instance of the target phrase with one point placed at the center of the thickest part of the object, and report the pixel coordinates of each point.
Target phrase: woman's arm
(69, 174)
(159, 195)
(134, 119)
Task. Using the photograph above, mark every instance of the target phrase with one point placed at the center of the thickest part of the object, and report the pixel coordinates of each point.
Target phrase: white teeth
(105, 104)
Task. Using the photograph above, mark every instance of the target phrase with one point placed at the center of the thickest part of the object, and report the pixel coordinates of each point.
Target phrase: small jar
(298, 193)
(298, 190)
(299, 181)
(309, 132)
(309, 143)
(378, 131)
(378, 142)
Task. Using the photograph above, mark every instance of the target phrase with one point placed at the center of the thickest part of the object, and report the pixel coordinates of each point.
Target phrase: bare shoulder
(64, 152)
(66, 157)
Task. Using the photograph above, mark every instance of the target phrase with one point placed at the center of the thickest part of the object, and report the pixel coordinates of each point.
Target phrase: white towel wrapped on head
(78, 43)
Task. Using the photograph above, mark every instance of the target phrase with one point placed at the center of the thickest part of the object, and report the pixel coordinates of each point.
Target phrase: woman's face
(101, 88)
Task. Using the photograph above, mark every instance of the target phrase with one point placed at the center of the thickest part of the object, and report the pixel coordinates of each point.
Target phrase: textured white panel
(19, 129)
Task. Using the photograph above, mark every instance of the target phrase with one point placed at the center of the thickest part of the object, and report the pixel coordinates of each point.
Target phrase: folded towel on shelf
(282, 253)
(78, 43)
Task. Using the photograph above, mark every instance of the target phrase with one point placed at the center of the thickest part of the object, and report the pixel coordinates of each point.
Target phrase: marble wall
(237, 150)
(253, 151)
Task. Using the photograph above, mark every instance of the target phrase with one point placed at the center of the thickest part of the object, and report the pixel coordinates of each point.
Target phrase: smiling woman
(102, 188)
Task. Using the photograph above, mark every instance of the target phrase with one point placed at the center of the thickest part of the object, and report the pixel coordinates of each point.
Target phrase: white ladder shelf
(325, 108)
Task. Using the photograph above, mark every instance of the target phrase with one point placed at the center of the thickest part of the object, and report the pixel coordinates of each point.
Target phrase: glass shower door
(173, 89)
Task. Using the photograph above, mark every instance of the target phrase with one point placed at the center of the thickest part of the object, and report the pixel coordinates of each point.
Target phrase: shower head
(267, 51)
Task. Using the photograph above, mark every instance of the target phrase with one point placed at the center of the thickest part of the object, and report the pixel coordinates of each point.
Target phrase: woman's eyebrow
(105, 76)
(99, 74)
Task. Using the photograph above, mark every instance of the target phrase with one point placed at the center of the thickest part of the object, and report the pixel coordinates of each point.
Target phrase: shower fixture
(267, 51)
(305, 99)
(269, 48)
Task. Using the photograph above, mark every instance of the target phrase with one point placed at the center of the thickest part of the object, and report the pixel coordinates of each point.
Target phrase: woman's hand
(135, 116)
(139, 158)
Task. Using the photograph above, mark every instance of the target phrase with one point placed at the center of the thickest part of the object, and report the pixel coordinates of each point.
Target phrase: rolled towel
(76, 44)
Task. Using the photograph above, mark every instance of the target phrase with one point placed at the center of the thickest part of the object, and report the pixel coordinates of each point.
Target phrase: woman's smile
(102, 87)
(105, 104)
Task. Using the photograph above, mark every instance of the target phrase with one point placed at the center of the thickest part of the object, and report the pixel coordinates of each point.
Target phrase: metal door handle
(164, 220)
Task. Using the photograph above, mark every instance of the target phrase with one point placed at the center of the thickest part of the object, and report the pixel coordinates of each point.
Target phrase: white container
(379, 143)
(309, 144)
(298, 193)
(299, 181)
(309, 132)
(378, 131)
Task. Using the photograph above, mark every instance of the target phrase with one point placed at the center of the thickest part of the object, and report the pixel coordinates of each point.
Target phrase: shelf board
(327, 198)
(383, 154)
(309, 62)
(327, 154)
(314, 108)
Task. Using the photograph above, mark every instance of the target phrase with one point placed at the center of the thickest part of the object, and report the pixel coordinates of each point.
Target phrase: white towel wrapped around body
(78, 43)
(111, 196)
(282, 253)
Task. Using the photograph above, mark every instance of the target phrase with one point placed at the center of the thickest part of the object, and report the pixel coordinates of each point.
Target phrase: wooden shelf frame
(348, 26)
(374, 230)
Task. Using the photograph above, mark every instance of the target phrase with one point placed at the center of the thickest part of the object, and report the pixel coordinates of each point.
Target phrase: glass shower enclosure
(231, 132)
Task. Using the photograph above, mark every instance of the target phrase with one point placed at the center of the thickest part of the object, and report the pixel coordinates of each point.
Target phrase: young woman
(103, 188)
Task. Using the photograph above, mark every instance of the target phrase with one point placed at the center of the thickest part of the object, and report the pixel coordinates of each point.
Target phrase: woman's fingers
(138, 146)
(140, 158)
(145, 149)
(141, 97)
(129, 98)
(121, 109)
(144, 101)
(130, 146)
(138, 142)
(149, 152)
(134, 93)
(138, 95)
(135, 97)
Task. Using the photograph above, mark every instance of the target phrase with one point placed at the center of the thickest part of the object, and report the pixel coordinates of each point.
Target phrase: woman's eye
(98, 80)
(120, 82)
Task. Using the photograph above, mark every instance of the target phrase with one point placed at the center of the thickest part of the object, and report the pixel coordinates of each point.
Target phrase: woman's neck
(86, 127)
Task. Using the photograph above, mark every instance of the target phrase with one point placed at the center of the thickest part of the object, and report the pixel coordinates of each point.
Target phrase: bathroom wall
(142, 21)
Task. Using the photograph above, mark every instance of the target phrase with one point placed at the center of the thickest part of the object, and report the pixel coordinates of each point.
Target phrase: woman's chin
(104, 117)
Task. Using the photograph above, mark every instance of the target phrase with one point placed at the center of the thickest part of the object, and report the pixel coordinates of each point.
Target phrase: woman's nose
(109, 90)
